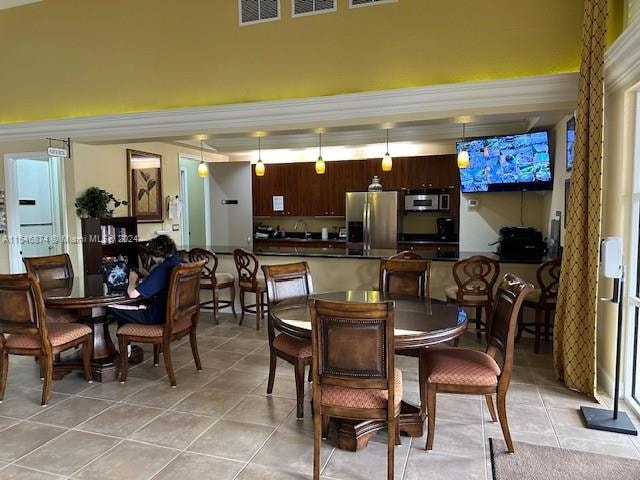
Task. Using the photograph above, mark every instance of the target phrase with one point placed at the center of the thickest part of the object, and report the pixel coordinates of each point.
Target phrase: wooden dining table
(419, 323)
(87, 298)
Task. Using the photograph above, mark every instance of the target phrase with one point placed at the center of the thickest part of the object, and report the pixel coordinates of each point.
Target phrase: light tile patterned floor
(220, 423)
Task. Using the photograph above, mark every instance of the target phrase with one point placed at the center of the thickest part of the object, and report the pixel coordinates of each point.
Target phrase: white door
(34, 207)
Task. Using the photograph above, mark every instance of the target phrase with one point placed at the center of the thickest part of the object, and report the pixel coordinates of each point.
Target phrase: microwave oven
(426, 202)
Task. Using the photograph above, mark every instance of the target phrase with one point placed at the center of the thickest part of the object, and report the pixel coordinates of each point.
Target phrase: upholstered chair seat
(457, 366)
(59, 334)
(140, 330)
(362, 397)
(260, 282)
(292, 346)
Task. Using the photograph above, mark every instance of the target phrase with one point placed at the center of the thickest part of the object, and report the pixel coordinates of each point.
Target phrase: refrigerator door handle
(367, 220)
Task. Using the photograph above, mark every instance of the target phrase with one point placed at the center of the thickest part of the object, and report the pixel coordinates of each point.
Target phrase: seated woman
(154, 287)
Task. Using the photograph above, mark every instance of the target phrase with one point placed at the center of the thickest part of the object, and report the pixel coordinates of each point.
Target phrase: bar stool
(475, 278)
(215, 281)
(249, 281)
(543, 301)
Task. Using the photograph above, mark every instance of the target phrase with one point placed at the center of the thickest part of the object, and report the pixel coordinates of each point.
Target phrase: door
(194, 192)
(231, 204)
(35, 207)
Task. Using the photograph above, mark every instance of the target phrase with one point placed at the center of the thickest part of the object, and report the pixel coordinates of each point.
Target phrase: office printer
(521, 243)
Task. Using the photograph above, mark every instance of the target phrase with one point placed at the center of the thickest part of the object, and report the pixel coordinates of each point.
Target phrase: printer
(521, 243)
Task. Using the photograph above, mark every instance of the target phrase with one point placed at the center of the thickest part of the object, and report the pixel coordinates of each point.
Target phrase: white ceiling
(4, 4)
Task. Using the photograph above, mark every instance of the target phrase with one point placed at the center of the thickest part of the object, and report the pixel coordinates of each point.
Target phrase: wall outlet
(472, 203)
(175, 227)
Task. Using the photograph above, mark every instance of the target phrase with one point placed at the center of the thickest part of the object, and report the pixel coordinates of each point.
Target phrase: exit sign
(57, 152)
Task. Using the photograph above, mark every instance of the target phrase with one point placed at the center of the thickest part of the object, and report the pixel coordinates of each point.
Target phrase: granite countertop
(301, 240)
(327, 252)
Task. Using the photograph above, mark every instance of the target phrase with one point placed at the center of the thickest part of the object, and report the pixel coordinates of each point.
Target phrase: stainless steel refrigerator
(372, 220)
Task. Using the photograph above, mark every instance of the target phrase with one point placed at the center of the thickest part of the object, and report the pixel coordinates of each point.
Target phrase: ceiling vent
(308, 7)
(366, 3)
(257, 11)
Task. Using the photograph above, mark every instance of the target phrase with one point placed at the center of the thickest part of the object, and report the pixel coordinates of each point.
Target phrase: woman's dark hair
(162, 246)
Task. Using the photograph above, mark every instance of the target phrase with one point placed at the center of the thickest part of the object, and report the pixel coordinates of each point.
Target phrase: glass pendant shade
(387, 162)
(320, 165)
(203, 170)
(260, 166)
(463, 159)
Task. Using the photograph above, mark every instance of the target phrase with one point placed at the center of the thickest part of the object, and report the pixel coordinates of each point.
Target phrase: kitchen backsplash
(313, 224)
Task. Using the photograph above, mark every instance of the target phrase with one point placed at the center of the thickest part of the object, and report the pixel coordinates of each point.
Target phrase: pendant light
(463, 154)
(387, 161)
(260, 168)
(320, 166)
(203, 170)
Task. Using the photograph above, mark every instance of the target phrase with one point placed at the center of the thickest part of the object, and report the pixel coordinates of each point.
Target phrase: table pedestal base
(354, 435)
(103, 369)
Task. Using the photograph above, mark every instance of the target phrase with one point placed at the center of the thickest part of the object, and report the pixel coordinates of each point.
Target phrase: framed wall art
(145, 185)
(571, 141)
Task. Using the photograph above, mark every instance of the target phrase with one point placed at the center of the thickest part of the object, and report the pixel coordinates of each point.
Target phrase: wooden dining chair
(475, 279)
(353, 369)
(287, 281)
(249, 281)
(214, 281)
(25, 331)
(54, 273)
(543, 301)
(405, 274)
(183, 312)
(466, 371)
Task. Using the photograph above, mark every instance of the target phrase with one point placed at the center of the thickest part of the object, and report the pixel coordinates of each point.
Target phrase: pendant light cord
(320, 135)
(387, 141)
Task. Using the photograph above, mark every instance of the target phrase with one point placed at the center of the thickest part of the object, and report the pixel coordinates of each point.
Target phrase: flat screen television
(507, 163)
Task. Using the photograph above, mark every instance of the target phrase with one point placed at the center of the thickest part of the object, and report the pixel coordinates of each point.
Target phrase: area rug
(537, 462)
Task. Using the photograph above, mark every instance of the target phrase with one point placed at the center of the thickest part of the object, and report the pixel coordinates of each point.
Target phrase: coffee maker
(446, 228)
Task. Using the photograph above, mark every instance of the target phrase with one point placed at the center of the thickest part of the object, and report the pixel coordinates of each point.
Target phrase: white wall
(479, 226)
(560, 175)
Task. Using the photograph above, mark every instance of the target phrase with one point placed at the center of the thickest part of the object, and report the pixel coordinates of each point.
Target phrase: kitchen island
(336, 269)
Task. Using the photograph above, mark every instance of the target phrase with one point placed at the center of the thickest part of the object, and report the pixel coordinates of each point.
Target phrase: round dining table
(87, 298)
(418, 323)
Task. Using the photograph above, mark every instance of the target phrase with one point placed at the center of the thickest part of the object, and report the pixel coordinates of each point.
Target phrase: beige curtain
(575, 327)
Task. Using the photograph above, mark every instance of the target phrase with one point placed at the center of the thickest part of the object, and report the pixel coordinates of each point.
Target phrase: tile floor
(220, 424)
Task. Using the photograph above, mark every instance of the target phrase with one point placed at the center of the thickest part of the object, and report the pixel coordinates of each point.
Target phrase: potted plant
(96, 203)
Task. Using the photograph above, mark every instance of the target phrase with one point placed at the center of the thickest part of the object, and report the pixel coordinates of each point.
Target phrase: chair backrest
(405, 274)
(476, 275)
(145, 259)
(548, 276)
(183, 254)
(287, 281)
(53, 267)
(246, 265)
(353, 344)
(22, 309)
(183, 301)
(211, 263)
(509, 298)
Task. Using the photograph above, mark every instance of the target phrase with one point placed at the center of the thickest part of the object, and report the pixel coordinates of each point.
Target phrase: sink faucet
(305, 227)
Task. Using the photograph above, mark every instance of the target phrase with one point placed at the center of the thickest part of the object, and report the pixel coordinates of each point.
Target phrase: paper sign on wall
(278, 203)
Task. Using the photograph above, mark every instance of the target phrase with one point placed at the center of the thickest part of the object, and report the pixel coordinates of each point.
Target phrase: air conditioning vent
(365, 3)
(255, 11)
(307, 7)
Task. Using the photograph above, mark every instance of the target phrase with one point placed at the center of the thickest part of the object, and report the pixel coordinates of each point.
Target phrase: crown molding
(520, 95)
(622, 59)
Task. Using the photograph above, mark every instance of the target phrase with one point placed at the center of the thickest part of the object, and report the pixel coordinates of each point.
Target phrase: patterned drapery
(575, 327)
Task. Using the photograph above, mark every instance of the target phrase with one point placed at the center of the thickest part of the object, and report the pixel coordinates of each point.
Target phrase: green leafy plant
(96, 203)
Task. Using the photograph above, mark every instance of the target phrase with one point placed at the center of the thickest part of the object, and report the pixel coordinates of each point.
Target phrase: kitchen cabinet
(307, 194)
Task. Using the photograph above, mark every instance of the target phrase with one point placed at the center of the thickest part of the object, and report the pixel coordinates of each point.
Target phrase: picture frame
(144, 186)
(571, 141)
(567, 187)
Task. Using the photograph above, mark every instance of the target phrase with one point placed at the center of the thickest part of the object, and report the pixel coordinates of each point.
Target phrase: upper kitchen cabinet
(307, 194)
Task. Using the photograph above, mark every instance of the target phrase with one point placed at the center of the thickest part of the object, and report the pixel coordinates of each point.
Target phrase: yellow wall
(65, 58)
